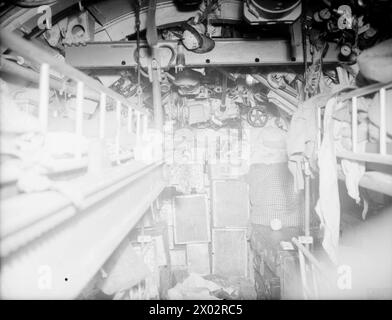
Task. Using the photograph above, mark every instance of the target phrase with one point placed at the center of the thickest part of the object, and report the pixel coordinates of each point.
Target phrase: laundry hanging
(328, 206)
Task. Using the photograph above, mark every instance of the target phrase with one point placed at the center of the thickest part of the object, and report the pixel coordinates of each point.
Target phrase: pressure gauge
(325, 14)
(345, 50)
(316, 17)
(322, 15)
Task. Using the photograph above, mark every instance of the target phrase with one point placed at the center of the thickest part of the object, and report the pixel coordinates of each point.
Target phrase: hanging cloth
(328, 206)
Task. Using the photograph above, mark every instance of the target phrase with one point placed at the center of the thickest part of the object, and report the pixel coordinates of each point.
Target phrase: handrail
(40, 56)
(85, 87)
(68, 218)
(311, 257)
(382, 156)
(364, 91)
(13, 68)
(308, 292)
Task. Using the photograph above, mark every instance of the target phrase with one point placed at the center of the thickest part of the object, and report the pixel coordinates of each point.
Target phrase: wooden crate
(191, 219)
(229, 252)
(230, 203)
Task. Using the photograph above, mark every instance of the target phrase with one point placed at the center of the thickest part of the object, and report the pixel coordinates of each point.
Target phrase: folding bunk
(54, 241)
(377, 158)
(381, 154)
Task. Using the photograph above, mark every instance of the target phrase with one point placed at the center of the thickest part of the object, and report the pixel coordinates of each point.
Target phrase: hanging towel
(328, 206)
(302, 137)
(353, 171)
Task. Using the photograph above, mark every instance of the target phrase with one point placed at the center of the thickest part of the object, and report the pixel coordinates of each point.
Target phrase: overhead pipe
(155, 70)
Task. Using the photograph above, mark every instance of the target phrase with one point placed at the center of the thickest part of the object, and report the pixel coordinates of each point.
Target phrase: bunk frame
(318, 274)
(51, 236)
(373, 180)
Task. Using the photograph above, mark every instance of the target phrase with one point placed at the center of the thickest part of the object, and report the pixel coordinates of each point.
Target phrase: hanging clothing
(328, 205)
(353, 172)
(302, 136)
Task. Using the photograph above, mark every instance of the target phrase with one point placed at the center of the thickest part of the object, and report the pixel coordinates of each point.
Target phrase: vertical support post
(130, 118)
(194, 149)
(302, 267)
(217, 149)
(102, 115)
(137, 126)
(44, 97)
(240, 134)
(156, 90)
(155, 72)
(224, 93)
(383, 140)
(145, 125)
(318, 128)
(79, 117)
(207, 158)
(314, 281)
(354, 124)
(118, 130)
(307, 205)
(228, 146)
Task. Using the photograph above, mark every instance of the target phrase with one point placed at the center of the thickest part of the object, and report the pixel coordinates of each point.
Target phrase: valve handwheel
(257, 117)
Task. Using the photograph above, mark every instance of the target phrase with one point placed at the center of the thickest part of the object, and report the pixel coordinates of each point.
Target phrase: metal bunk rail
(52, 243)
(40, 56)
(381, 156)
(46, 61)
(316, 279)
(377, 181)
(374, 180)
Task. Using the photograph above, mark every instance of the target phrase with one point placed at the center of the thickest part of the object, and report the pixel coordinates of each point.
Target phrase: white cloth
(353, 171)
(328, 206)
